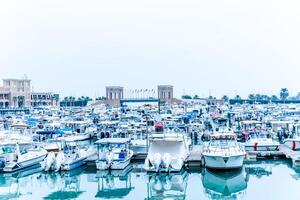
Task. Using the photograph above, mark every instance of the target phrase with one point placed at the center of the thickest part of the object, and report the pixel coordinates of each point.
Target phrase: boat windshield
(223, 140)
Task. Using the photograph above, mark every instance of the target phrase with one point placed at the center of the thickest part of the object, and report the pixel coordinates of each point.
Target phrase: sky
(216, 47)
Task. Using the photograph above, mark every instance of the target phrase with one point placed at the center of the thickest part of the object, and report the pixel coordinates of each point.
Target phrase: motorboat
(167, 151)
(261, 141)
(113, 153)
(19, 159)
(70, 157)
(223, 152)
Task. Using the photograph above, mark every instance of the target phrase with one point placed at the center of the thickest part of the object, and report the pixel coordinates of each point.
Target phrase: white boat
(72, 156)
(22, 159)
(223, 152)
(167, 152)
(261, 141)
(294, 142)
(113, 153)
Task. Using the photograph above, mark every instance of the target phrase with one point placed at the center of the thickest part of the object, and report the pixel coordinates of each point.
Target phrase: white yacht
(167, 151)
(223, 152)
(16, 159)
(261, 141)
(113, 153)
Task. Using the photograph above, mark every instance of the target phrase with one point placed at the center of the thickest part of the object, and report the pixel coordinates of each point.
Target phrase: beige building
(44, 99)
(165, 92)
(15, 93)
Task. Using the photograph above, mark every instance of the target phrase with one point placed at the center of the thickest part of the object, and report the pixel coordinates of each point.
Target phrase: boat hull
(222, 162)
(15, 166)
(293, 144)
(258, 147)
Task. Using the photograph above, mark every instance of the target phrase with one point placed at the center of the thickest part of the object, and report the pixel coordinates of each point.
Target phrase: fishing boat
(223, 152)
(167, 151)
(113, 153)
(261, 141)
(17, 160)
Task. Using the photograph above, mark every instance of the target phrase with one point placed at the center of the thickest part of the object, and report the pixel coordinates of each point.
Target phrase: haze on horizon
(226, 47)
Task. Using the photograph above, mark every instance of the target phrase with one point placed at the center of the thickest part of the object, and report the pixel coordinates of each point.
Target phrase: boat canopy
(223, 137)
(113, 141)
(48, 132)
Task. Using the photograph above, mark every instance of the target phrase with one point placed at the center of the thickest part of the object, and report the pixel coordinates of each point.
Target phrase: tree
(251, 97)
(225, 98)
(274, 98)
(186, 97)
(237, 97)
(284, 93)
(196, 97)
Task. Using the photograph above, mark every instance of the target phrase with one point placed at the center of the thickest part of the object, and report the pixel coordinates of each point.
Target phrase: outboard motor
(166, 161)
(59, 161)
(49, 161)
(156, 161)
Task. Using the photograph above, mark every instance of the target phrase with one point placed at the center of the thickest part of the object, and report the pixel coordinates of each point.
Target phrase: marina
(165, 144)
(149, 100)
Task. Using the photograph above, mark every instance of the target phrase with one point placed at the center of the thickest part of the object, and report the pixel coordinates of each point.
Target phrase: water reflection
(224, 185)
(15, 185)
(112, 184)
(167, 186)
(66, 184)
(134, 183)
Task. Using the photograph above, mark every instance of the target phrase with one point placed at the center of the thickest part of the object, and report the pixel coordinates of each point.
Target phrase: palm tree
(225, 98)
(251, 97)
(274, 98)
(196, 97)
(238, 97)
(284, 93)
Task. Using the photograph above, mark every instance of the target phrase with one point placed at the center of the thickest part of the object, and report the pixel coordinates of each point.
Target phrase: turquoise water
(274, 179)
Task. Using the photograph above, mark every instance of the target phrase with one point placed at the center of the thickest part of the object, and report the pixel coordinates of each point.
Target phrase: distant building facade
(44, 99)
(114, 94)
(17, 93)
(165, 92)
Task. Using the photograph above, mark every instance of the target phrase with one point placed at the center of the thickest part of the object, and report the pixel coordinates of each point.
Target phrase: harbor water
(266, 179)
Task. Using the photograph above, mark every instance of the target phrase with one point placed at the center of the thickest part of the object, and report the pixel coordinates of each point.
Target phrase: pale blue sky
(226, 46)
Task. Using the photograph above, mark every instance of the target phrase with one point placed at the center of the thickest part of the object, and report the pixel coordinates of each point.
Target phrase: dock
(195, 157)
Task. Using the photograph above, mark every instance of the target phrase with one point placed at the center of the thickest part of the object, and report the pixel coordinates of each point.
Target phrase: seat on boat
(122, 155)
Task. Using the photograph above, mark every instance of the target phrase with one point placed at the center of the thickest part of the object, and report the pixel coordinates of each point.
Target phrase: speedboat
(167, 151)
(261, 141)
(223, 152)
(17, 159)
(113, 153)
